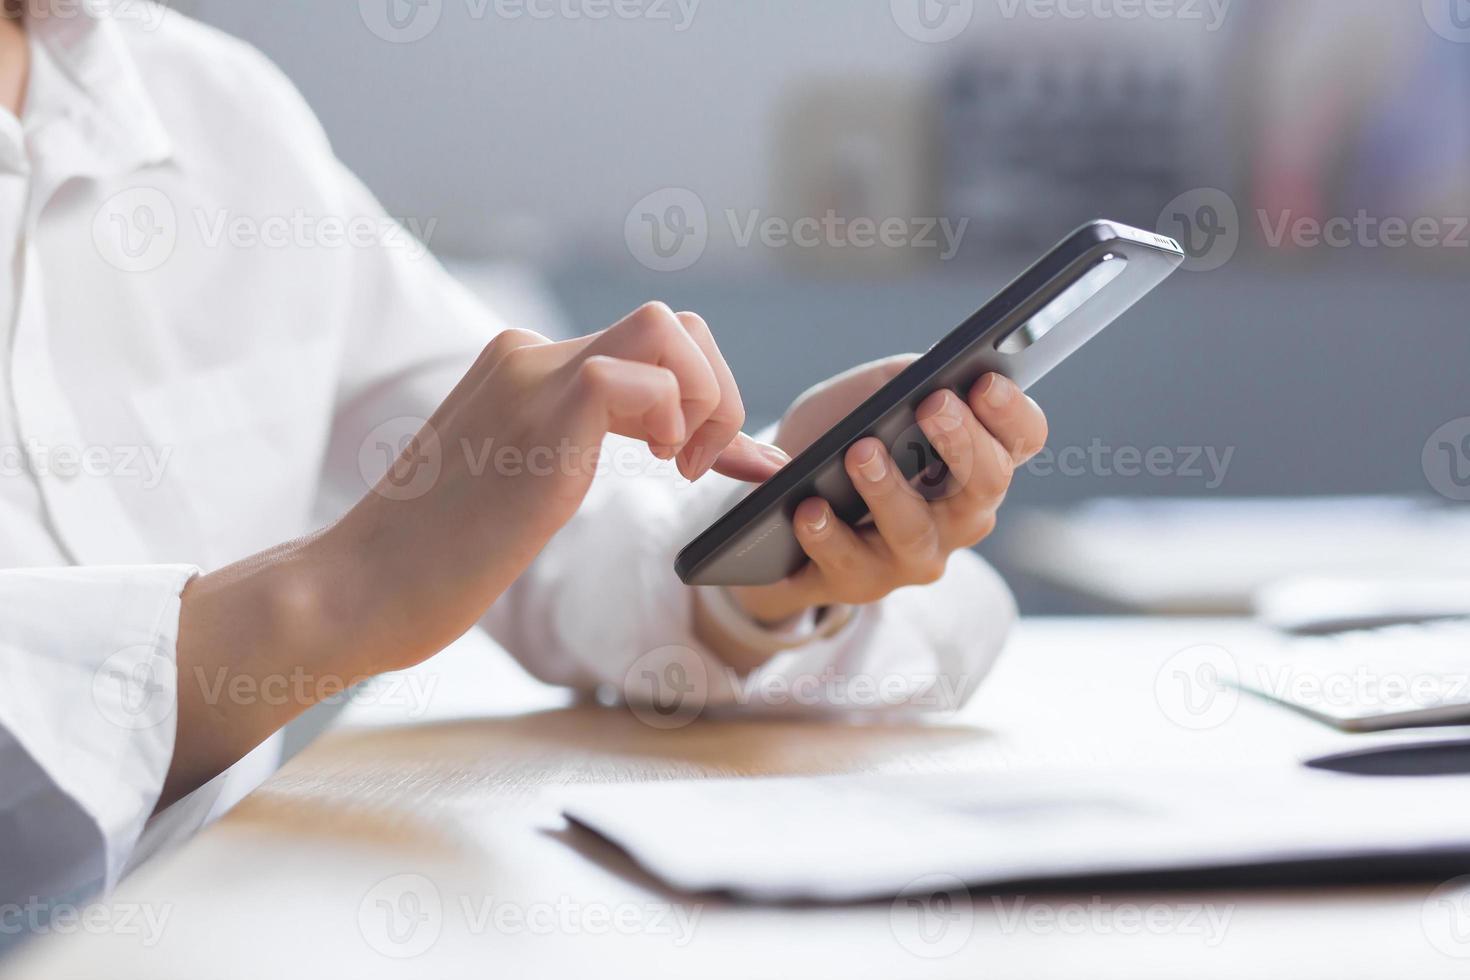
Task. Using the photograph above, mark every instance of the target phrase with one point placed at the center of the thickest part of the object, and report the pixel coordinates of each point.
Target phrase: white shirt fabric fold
(212, 340)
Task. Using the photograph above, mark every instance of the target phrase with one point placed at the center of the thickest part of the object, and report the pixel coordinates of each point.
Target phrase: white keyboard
(1370, 680)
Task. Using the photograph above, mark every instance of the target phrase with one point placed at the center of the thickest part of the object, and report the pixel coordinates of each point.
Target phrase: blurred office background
(549, 141)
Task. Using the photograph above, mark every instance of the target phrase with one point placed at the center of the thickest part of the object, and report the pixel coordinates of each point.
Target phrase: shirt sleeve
(601, 610)
(87, 715)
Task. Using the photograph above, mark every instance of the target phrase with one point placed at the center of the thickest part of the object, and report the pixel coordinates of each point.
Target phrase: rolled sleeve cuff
(91, 697)
(629, 622)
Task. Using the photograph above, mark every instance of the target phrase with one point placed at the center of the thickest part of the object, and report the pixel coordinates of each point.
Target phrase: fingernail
(775, 454)
(872, 468)
(998, 391)
(819, 525)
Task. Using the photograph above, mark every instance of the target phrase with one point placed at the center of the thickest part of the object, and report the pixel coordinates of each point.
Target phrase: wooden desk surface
(441, 838)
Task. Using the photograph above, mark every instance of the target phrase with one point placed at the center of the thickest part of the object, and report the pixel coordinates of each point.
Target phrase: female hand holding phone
(982, 439)
(397, 579)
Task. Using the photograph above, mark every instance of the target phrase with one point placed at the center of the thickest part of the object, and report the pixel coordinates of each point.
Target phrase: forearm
(259, 642)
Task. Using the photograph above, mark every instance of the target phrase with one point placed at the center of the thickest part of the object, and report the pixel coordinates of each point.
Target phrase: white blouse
(211, 339)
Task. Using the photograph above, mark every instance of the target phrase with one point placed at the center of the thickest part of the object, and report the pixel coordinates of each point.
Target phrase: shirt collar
(92, 91)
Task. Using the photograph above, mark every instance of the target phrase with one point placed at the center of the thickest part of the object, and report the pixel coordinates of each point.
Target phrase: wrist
(770, 606)
(726, 629)
(744, 643)
(340, 596)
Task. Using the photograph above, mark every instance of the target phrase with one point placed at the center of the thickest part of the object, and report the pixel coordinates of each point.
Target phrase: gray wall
(1320, 382)
(488, 118)
(491, 124)
(1323, 375)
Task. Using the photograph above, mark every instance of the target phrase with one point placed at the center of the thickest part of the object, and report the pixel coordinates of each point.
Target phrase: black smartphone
(1083, 284)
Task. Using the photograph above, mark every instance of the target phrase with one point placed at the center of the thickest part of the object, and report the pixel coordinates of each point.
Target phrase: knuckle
(860, 593)
(991, 481)
(728, 411)
(521, 337)
(595, 373)
(669, 380)
(495, 350)
(507, 342)
(991, 487)
(694, 323)
(976, 527)
(843, 563)
(928, 571)
(703, 399)
(846, 563)
(653, 319)
(876, 494)
(918, 546)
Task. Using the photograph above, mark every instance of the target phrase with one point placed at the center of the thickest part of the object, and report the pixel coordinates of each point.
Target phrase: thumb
(750, 461)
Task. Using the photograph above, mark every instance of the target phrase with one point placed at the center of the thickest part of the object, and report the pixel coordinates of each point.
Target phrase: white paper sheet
(863, 837)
